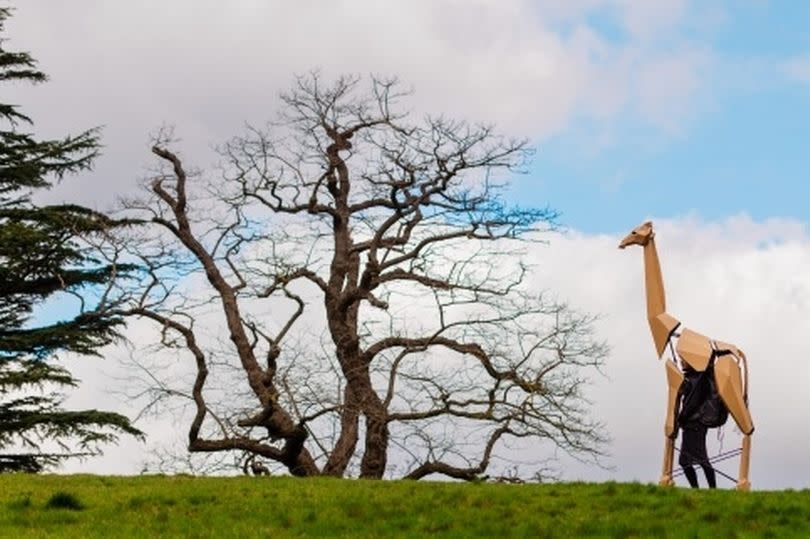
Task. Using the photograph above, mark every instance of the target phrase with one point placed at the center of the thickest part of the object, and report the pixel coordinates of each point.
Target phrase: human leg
(691, 476)
(697, 450)
(711, 479)
(691, 453)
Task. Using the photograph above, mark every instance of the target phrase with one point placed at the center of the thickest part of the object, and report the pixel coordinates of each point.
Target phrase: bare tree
(394, 238)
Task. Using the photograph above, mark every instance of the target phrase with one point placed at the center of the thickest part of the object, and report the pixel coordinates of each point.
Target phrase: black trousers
(693, 452)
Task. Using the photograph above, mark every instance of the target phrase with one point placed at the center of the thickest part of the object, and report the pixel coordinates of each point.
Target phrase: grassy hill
(150, 506)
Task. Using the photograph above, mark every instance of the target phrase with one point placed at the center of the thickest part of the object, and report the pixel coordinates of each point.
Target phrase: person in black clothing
(693, 393)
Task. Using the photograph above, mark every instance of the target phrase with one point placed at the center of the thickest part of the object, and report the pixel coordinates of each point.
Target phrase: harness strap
(669, 342)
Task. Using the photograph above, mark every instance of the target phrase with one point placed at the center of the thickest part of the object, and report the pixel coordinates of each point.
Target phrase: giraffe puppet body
(695, 350)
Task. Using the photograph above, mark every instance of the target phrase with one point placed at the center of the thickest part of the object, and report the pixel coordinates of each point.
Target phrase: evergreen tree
(41, 255)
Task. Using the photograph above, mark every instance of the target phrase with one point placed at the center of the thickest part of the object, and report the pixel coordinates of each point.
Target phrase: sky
(692, 114)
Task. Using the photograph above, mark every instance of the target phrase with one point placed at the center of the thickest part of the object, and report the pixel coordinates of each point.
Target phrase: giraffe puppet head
(640, 235)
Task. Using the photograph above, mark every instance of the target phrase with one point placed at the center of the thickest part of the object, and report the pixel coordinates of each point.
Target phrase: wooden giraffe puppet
(696, 351)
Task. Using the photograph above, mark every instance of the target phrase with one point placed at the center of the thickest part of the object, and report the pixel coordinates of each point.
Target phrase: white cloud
(666, 86)
(645, 20)
(736, 280)
(532, 68)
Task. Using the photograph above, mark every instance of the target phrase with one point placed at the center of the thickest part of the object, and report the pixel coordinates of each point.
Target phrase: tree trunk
(372, 465)
(347, 441)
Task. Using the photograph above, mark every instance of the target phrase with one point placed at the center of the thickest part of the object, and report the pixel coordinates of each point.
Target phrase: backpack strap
(671, 346)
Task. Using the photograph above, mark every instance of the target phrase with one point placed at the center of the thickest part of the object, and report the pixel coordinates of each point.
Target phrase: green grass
(150, 506)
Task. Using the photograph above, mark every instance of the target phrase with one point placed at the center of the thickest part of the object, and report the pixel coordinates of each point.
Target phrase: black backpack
(713, 412)
(701, 403)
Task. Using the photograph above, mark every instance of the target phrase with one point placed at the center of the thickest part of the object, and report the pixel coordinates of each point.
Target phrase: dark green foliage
(64, 500)
(41, 254)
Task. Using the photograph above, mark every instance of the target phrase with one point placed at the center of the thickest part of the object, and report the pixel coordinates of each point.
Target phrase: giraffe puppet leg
(669, 455)
(674, 379)
(730, 386)
(745, 459)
